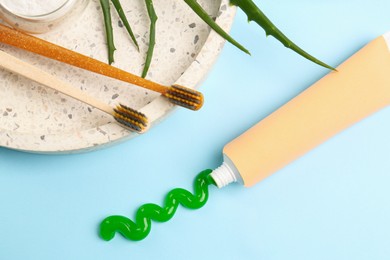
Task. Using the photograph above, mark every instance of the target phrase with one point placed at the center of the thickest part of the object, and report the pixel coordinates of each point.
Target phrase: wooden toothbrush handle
(33, 44)
(29, 71)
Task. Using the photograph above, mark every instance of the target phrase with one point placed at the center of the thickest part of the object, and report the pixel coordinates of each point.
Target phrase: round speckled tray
(36, 119)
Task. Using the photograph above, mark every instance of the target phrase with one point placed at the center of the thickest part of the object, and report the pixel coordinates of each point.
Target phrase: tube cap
(223, 175)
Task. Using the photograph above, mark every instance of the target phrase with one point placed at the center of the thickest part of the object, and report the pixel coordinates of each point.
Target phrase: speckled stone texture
(37, 119)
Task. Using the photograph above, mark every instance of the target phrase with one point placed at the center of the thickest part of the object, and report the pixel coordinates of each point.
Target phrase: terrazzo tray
(37, 119)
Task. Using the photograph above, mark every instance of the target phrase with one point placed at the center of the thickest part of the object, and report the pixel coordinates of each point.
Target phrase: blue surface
(331, 204)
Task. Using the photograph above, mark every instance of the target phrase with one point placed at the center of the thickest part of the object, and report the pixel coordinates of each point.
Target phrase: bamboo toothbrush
(176, 94)
(125, 116)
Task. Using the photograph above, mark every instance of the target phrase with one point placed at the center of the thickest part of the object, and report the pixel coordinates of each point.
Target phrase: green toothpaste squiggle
(140, 228)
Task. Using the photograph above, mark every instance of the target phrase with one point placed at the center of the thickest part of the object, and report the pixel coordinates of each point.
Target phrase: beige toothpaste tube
(359, 88)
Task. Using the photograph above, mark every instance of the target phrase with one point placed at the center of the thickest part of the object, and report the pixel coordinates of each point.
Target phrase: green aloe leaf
(247, 6)
(256, 15)
(125, 22)
(105, 4)
(194, 5)
(152, 36)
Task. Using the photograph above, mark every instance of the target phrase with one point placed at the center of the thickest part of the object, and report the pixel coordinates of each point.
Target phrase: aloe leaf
(152, 36)
(125, 22)
(105, 4)
(194, 5)
(256, 15)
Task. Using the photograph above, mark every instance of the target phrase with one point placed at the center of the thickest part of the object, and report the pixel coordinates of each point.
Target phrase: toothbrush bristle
(185, 97)
(131, 118)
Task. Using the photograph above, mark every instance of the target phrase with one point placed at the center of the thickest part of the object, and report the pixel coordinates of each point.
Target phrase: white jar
(39, 16)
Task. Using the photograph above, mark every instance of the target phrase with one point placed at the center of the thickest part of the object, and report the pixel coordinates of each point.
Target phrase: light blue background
(331, 204)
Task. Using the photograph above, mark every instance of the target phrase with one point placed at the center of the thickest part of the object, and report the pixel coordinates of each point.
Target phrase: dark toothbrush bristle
(131, 118)
(132, 114)
(128, 125)
(185, 97)
(176, 102)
